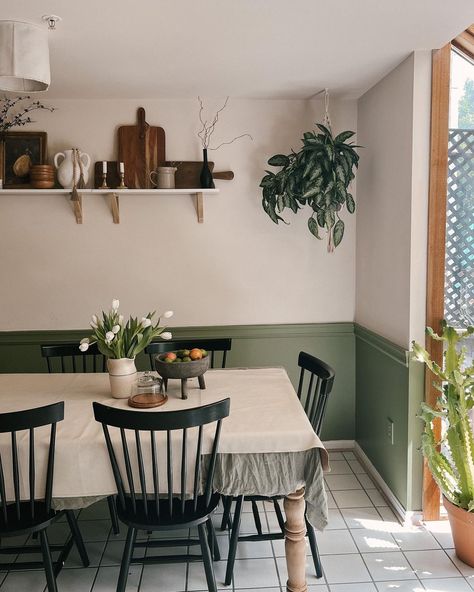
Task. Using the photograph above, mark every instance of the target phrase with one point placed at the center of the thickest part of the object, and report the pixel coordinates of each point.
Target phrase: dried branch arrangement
(207, 129)
(13, 112)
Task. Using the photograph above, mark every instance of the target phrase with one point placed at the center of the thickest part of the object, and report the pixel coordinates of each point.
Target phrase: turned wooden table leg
(295, 543)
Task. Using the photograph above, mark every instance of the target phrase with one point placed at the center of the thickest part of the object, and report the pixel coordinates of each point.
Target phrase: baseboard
(406, 517)
(339, 444)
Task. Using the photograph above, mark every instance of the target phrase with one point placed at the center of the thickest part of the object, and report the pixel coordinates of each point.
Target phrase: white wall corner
(420, 192)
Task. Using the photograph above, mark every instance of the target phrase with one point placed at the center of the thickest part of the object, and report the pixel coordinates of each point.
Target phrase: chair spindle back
(28, 420)
(67, 357)
(152, 423)
(321, 379)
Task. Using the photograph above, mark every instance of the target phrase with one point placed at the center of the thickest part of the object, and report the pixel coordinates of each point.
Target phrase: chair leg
(111, 500)
(77, 536)
(256, 518)
(234, 539)
(314, 549)
(211, 536)
(206, 556)
(48, 562)
(126, 558)
(227, 504)
(279, 515)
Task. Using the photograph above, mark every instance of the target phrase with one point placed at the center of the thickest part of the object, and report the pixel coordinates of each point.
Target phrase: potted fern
(451, 458)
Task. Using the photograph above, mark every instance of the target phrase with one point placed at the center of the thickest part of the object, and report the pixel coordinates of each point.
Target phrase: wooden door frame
(439, 139)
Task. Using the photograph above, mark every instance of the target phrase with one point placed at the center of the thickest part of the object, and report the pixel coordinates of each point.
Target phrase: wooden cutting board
(141, 148)
(188, 173)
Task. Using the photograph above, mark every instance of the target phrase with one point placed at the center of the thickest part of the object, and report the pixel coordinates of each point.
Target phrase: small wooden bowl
(182, 371)
(42, 176)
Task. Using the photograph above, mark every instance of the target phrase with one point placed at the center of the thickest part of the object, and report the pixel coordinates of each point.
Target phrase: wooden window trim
(439, 136)
(439, 139)
(465, 42)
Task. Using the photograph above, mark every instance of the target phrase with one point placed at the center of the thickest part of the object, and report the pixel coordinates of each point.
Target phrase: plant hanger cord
(327, 118)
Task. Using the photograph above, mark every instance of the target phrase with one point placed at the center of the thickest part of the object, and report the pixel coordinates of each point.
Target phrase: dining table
(267, 445)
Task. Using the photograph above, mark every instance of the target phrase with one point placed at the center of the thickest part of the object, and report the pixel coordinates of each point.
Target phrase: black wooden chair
(67, 357)
(211, 345)
(24, 513)
(144, 508)
(314, 400)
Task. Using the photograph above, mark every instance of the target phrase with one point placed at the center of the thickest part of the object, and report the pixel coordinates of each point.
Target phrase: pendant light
(24, 57)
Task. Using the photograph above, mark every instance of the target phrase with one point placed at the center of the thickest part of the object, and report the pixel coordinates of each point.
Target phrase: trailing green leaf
(279, 160)
(338, 232)
(313, 227)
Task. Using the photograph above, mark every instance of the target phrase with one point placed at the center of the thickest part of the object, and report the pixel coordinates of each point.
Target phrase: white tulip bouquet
(118, 340)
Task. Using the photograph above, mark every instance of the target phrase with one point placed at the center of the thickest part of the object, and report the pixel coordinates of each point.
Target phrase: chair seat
(165, 520)
(14, 526)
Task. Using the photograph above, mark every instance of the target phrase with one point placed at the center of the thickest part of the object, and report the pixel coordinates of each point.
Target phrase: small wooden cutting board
(141, 148)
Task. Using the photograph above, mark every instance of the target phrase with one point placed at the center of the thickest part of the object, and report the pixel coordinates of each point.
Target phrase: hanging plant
(319, 176)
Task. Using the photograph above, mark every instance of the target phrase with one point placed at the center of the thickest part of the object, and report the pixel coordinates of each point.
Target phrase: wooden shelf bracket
(115, 207)
(199, 203)
(76, 203)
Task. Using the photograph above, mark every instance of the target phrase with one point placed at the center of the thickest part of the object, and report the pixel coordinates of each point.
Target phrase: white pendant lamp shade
(24, 57)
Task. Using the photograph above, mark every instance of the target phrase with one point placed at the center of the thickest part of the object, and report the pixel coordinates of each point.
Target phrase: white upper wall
(236, 268)
(393, 126)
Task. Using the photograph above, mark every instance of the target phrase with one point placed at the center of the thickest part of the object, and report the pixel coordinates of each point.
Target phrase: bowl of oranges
(183, 364)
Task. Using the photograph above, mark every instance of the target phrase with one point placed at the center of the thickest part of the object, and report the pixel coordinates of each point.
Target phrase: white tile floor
(364, 549)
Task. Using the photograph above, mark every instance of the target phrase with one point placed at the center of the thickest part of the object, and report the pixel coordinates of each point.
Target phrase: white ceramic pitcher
(65, 168)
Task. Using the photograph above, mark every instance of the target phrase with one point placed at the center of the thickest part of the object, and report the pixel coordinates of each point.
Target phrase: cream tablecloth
(267, 444)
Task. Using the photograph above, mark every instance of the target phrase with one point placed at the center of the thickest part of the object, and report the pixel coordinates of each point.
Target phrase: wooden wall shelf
(114, 195)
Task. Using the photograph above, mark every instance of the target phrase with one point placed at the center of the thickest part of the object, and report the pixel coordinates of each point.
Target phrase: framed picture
(18, 152)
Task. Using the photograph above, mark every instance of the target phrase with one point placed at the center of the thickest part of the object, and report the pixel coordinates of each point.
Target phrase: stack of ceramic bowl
(42, 176)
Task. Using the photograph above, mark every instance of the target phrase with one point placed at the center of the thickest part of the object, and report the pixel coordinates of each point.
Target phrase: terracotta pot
(462, 528)
(123, 377)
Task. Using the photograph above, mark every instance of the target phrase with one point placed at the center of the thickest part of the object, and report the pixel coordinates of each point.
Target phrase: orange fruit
(195, 354)
(170, 356)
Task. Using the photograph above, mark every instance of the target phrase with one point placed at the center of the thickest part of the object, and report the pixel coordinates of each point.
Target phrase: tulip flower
(84, 347)
(109, 336)
(115, 329)
(146, 322)
(168, 314)
(115, 304)
(120, 320)
(85, 340)
(166, 335)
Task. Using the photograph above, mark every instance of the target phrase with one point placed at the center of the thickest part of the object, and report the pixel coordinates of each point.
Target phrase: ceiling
(241, 48)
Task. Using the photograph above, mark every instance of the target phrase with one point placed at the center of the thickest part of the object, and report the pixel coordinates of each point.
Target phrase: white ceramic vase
(65, 168)
(123, 377)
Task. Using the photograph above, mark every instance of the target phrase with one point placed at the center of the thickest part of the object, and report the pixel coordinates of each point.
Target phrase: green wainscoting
(389, 385)
(252, 345)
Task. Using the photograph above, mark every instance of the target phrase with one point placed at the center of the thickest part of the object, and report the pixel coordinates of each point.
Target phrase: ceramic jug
(65, 168)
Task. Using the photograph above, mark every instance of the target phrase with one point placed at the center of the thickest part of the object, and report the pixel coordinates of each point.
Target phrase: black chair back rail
(34, 515)
(67, 357)
(18, 421)
(71, 359)
(222, 345)
(138, 496)
(321, 379)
